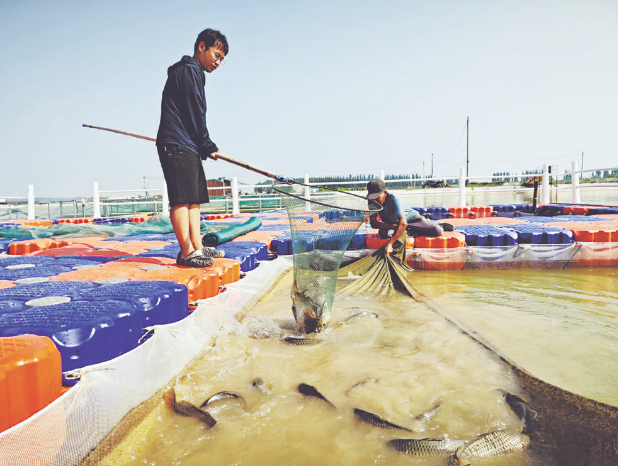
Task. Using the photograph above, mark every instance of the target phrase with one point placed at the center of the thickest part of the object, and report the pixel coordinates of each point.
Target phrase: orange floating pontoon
(30, 377)
(41, 244)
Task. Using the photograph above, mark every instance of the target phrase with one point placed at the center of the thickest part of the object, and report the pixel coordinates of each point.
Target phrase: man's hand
(214, 155)
(388, 248)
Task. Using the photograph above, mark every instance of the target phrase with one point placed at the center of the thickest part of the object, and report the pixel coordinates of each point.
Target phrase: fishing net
(322, 227)
(381, 273)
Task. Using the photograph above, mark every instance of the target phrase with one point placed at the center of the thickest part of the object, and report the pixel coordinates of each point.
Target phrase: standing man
(183, 142)
(397, 215)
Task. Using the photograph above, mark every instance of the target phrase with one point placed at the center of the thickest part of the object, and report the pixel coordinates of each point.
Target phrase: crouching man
(398, 216)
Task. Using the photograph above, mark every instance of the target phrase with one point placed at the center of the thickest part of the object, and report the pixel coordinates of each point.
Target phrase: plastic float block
(25, 293)
(577, 209)
(447, 240)
(6, 284)
(374, 241)
(165, 238)
(6, 261)
(201, 283)
(551, 210)
(106, 271)
(588, 232)
(260, 248)
(229, 268)
(603, 211)
(31, 377)
(358, 241)
(261, 236)
(19, 248)
(38, 223)
(471, 211)
(76, 221)
(540, 234)
(159, 302)
(488, 235)
(343, 215)
(137, 219)
(4, 246)
(503, 209)
(89, 240)
(436, 213)
(73, 262)
(76, 250)
(85, 332)
(245, 256)
(456, 222)
(282, 245)
(502, 221)
(18, 272)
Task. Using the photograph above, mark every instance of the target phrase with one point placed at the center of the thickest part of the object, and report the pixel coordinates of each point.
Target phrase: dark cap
(375, 188)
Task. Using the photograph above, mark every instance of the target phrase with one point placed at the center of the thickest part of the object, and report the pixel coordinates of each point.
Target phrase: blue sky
(313, 87)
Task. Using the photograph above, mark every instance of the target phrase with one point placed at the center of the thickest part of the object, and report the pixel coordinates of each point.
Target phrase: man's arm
(379, 225)
(192, 87)
(401, 227)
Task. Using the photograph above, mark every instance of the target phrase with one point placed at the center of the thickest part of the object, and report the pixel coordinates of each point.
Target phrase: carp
(376, 421)
(312, 392)
(497, 443)
(427, 446)
(184, 408)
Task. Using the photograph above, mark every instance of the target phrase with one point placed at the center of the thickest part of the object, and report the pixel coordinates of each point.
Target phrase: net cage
(321, 227)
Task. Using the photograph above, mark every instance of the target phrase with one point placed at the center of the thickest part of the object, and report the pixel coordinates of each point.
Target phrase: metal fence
(100, 205)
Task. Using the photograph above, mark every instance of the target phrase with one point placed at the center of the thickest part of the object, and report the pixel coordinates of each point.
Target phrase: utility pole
(432, 164)
(581, 174)
(467, 145)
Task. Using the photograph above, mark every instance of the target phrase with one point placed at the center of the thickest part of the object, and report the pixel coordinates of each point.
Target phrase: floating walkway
(70, 303)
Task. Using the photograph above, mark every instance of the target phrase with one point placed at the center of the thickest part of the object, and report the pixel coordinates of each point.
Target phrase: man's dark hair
(211, 37)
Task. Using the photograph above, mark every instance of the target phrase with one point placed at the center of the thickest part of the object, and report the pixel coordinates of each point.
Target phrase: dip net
(322, 226)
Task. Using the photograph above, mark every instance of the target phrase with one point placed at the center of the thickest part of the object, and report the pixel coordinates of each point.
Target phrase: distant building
(219, 183)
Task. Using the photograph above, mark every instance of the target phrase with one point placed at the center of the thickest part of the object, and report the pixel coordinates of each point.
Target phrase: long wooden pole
(240, 163)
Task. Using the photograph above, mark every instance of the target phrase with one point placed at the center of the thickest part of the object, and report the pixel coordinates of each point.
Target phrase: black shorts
(184, 175)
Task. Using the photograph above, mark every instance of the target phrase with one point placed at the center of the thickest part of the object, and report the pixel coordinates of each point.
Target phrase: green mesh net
(321, 228)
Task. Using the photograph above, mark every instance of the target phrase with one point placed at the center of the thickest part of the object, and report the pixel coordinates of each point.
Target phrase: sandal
(212, 252)
(195, 259)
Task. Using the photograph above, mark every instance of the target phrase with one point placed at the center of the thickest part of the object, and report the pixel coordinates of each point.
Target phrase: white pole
(462, 187)
(235, 205)
(31, 202)
(96, 201)
(575, 183)
(307, 193)
(382, 174)
(545, 193)
(165, 200)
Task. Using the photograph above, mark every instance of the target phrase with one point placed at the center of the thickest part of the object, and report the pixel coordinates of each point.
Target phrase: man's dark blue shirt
(183, 109)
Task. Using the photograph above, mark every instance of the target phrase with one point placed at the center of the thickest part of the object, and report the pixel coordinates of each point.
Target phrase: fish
(427, 446)
(258, 384)
(429, 415)
(376, 421)
(521, 408)
(223, 396)
(299, 341)
(362, 382)
(498, 443)
(371, 314)
(312, 392)
(310, 307)
(184, 408)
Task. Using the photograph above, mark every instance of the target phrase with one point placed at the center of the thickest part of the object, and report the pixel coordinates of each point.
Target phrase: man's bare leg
(195, 227)
(179, 215)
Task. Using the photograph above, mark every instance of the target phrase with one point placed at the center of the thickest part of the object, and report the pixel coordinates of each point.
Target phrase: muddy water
(560, 325)
(415, 359)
